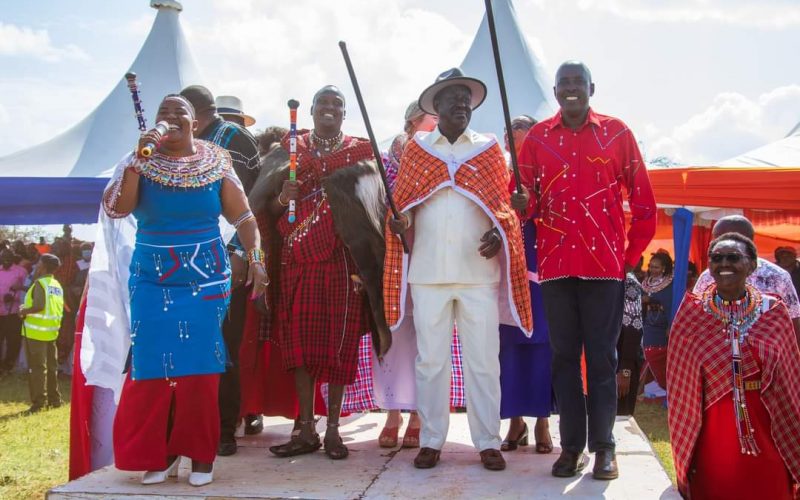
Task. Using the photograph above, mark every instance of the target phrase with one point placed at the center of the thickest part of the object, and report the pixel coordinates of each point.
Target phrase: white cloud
(775, 14)
(268, 54)
(733, 124)
(24, 41)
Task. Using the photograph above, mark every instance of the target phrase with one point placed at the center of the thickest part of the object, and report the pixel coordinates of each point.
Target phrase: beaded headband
(184, 100)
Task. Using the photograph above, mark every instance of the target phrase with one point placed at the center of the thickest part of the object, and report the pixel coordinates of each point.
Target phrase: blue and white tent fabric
(61, 180)
(528, 87)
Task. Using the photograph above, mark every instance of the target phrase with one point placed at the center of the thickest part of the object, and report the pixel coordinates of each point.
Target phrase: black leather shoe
(605, 465)
(570, 463)
(227, 448)
(254, 424)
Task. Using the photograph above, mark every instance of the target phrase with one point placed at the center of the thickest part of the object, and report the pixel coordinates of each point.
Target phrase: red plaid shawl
(699, 374)
(484, 179)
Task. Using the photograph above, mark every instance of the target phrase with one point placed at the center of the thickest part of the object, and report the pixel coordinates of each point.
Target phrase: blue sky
(697, 80)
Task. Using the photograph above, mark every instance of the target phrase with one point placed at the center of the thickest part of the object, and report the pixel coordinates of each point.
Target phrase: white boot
(159, 476)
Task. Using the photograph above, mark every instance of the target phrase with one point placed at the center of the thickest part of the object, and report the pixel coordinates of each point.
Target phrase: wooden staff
(503, 97)
(375, 151)
(293, 105)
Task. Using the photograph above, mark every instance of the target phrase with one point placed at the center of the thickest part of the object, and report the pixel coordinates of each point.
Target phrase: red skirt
(321, 317)
(657, 362)
(721, 471)
(142, 440)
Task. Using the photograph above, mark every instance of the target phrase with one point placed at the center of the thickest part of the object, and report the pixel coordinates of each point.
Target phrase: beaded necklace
(654, 285)
(327, 145)
(737, 316)
(206, 166)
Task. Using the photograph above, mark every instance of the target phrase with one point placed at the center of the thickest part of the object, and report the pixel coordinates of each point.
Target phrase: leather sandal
(388, 437)
(411, 438)
(543, 446)
(335, 450)
(296, 446)
(511, 444)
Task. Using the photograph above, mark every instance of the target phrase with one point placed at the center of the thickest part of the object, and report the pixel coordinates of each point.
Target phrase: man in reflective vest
(41, 313)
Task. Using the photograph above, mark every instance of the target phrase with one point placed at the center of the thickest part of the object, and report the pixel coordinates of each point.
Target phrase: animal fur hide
(357, 199)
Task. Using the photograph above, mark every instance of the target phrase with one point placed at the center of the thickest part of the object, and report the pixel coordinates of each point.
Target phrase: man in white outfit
(452, 187)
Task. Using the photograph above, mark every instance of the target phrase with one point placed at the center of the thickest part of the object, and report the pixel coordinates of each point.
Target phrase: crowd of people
(511, 300)
(41, 285)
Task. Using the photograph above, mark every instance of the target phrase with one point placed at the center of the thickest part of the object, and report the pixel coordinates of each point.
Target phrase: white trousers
(474, 309)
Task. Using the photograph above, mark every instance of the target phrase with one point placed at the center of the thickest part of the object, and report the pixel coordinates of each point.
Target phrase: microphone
(147, 150)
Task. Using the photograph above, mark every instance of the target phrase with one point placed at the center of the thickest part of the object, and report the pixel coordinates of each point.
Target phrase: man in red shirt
(576, 165)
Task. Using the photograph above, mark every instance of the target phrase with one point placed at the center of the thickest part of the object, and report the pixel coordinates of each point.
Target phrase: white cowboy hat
(229, 105)
(450, 77)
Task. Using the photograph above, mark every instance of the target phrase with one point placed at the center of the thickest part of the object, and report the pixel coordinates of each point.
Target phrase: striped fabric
(360, 397)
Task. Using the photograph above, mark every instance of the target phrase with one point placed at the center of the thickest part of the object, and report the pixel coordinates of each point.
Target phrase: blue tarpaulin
(50, 200)
(682, 238)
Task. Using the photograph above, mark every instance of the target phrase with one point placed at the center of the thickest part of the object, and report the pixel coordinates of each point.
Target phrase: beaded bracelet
(255, 256)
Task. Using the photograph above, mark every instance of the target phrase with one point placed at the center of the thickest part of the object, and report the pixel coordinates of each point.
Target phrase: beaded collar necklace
(737, 316)
(327, 145)
(654, 285)
(206, 166)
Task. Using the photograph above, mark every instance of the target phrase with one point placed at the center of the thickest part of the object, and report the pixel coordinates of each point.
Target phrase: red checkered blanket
(699, 374)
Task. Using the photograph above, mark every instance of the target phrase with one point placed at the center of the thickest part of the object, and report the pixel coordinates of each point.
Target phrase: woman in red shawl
(733, 386)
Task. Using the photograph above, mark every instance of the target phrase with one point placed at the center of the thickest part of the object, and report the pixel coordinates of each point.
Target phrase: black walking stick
(503, 97)
(375, 150)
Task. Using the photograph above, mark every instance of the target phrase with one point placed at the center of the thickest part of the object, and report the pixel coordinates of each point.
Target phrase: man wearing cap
(243, 148)
(786, 257)
(466, 265)
(576, 164)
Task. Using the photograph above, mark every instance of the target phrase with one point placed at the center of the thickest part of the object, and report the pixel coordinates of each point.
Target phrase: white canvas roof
(164, 65)
(782, 153)
(528, 87)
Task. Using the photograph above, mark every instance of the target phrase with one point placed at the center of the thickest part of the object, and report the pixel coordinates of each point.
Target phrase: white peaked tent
(60, 181)
(528, 87)
(781, 153)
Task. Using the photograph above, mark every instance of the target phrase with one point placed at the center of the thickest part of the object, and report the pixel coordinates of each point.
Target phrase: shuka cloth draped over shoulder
(699, 367)
(484, 180)
(340, 209)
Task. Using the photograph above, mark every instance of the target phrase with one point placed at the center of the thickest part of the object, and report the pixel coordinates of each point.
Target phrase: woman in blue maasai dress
(525, 383)
(179, 290)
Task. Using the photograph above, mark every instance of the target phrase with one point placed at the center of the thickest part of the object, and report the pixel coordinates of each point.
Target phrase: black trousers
(584, 316)
(230, 394)
(11, 336)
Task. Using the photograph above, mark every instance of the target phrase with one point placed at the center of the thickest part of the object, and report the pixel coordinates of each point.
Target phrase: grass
(652, 419)
(34, 449)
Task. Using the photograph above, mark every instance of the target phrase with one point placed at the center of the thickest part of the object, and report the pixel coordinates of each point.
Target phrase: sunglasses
(733, 258)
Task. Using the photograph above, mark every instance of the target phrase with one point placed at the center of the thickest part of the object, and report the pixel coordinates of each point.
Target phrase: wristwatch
(233, 250)
(625, 373)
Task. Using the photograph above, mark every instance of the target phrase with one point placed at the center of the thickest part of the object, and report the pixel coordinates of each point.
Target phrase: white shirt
(448, 226)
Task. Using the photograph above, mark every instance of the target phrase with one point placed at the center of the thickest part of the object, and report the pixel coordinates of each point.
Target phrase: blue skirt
(179, 298)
